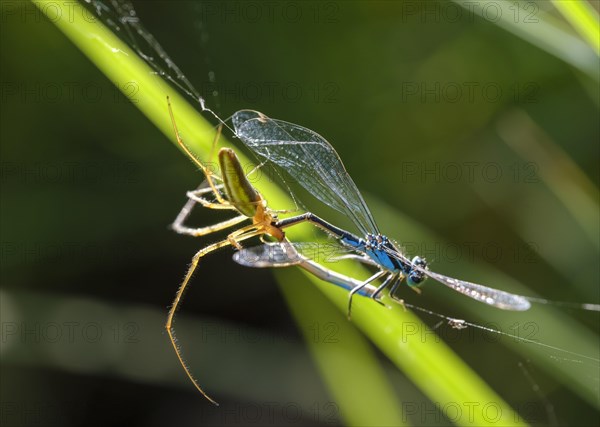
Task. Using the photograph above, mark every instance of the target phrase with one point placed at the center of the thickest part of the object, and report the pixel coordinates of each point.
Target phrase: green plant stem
(584, 18)
(542, 30)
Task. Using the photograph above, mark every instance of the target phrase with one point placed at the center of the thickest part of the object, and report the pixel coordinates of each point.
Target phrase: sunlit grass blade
(540, 29)
(422, 356)
(551, 325)
(557, 170)
(362, 393)
(584, 19)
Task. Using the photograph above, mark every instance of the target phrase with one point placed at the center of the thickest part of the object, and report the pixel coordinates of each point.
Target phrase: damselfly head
(419, 262)
(415, 277)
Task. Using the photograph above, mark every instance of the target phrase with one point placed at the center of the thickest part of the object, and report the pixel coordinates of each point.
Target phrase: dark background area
(89, 188)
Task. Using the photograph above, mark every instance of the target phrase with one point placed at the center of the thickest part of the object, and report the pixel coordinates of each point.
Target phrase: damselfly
(309, 159)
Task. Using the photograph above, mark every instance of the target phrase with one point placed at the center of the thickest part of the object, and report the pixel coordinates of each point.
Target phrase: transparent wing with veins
(308, 158)
(313, 162)
(490, 296)
(289, 254)
(285, 254)
(292, 253)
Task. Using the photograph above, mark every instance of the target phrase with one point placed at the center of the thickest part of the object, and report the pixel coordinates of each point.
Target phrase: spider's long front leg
(205, 170)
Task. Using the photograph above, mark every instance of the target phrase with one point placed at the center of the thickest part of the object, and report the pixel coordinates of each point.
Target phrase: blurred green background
(483, 140)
